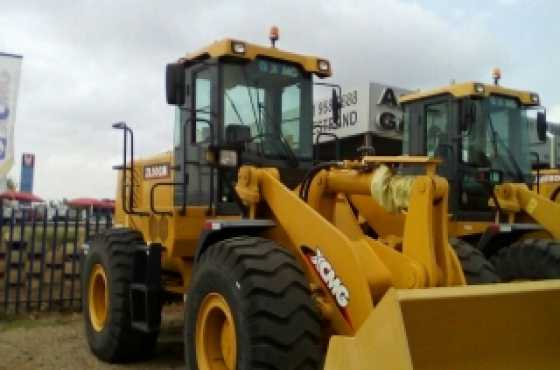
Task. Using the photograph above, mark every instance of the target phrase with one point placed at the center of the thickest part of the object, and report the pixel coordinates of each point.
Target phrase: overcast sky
(90, 63)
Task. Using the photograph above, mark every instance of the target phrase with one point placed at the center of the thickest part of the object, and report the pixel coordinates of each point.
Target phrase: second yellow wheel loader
(269, 251)
(482, 133)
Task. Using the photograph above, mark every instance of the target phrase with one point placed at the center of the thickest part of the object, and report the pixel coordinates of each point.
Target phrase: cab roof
(474, 89)
(225, 48)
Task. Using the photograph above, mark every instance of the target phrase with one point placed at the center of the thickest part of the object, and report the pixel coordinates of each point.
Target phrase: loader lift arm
(514, 198)
(326, 227)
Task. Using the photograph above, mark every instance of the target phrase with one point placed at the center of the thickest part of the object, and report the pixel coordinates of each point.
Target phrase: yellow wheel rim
(98, 297)
(216, 343)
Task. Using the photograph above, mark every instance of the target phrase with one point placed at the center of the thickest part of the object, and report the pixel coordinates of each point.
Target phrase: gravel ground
(58, 342)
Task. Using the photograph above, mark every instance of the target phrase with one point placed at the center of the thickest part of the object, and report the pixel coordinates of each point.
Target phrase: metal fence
(40, 258)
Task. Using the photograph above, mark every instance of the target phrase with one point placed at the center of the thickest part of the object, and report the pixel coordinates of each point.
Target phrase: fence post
(22, 252)
(53, 259)
(88, 231)
(108, 220)
(63, 272)
(75, 255)
(96, 222)
(44, 256)
(31, 262)
(8, 260)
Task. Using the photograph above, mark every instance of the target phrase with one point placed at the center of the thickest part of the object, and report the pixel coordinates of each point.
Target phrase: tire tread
(123, 344)
(283, 325)
(477, 269)
(529, 259)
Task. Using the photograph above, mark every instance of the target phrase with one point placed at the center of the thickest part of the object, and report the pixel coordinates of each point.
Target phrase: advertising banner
(372, 108)
(27, 172)
(10, 68)
(353, 121)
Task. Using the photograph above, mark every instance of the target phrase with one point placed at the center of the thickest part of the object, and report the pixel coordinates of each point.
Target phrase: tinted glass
(268, 105)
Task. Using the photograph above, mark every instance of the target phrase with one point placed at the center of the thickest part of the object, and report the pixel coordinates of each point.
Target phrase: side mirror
(469, 115)
(541, 126)
(336, 107)
(175, 83)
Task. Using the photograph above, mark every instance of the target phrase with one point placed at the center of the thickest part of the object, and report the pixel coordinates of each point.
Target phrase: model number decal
(331, 280)
(156, 171)
(547, 179)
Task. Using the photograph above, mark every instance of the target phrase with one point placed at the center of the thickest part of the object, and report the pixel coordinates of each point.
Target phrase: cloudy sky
(90, 63)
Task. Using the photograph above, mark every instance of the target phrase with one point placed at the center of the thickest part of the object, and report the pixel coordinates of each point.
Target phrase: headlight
(323, 65)
(238, 47)
(479, 88)
(535, 98)
(228, 158)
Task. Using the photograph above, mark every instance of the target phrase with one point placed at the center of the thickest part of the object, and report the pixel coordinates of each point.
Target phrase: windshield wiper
(496, 139)
(294, 161)
(232, 103)
(257, 118)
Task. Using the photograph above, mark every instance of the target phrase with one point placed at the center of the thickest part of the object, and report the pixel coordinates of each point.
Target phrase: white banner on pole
(10, 68)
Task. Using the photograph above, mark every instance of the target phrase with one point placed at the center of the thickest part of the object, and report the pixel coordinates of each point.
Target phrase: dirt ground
(56, 341)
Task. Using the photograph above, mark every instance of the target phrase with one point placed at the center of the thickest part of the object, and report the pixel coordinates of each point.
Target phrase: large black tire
(276, 322)
(477, 269)
(529, 259)
(116, 341)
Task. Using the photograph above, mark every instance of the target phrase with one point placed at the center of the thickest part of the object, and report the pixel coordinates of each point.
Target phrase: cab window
(202, 107)
(437, 124)
(290, 124)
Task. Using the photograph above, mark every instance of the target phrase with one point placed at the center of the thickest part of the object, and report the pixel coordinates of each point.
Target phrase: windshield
(499, 138)
(267, 104)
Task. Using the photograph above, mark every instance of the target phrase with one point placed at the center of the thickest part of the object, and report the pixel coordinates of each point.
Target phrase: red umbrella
(90, 202)
(20, 196)
(107, 203)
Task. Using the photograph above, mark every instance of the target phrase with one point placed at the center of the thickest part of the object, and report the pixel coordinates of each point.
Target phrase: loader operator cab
(481, 132)
(239, 103)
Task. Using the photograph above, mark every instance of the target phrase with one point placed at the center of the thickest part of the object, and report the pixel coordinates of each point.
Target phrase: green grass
(12, 322)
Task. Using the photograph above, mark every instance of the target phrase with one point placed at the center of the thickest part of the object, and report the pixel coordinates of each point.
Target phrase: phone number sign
(354, 117)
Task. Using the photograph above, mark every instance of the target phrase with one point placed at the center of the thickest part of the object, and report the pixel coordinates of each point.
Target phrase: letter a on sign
(388, 98)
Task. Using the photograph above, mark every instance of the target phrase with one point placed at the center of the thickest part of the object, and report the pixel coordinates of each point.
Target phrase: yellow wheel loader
(269, 252)
(482, 134)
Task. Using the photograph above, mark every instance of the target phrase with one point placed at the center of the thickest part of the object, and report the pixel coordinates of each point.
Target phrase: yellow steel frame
(468, 89)
(514, 198)
(224, 48)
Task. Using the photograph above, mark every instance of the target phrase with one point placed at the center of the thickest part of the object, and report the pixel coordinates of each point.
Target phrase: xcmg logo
(327, 273)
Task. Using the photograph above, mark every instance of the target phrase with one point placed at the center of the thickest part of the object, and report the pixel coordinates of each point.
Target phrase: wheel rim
(98, 297)
(216, 343)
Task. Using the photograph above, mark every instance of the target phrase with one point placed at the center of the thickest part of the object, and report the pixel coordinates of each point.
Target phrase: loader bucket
(513, 326)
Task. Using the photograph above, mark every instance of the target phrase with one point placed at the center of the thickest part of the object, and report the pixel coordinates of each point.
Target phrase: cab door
(193, 135)
(431, 130)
